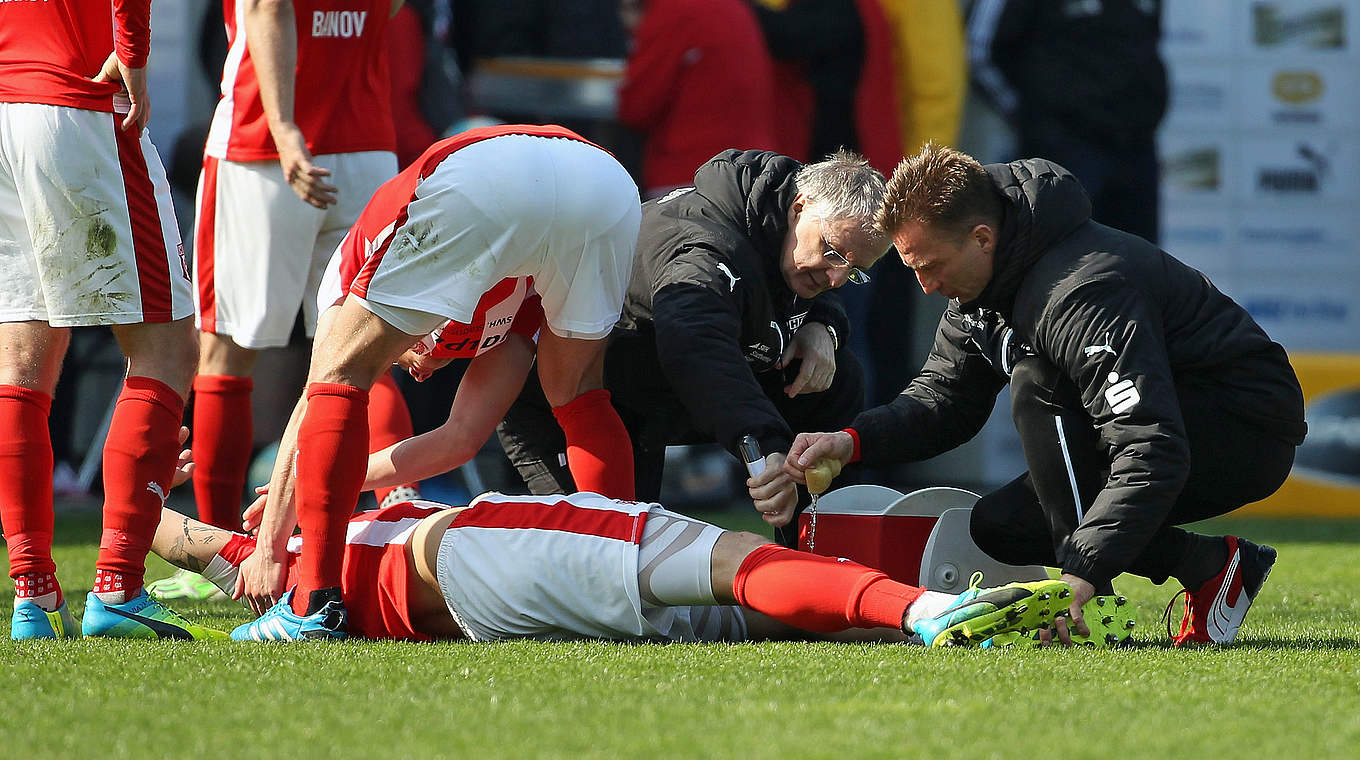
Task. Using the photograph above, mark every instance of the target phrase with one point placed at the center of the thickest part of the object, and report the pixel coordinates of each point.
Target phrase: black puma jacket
(1126, 322)
(707, 292)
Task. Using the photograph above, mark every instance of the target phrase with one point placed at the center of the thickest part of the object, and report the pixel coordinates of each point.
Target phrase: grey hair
(843, 186)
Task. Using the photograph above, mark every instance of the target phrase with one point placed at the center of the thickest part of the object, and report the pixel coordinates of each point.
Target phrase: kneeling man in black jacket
(729, 327)
(1144, 397)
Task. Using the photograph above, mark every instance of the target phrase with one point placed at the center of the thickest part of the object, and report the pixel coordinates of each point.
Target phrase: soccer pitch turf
(1289, 687)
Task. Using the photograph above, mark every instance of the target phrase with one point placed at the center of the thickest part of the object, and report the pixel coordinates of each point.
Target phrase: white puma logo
(155, 488)
(730, 276)
(1106, 347)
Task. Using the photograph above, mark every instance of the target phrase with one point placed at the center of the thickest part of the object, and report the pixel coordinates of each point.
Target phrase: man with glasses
(729, 328)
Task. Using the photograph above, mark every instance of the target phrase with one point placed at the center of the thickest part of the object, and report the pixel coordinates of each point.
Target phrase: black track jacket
(706, 283)
(1126, 322)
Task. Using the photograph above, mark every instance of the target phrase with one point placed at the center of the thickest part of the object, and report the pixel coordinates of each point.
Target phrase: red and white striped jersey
(511, 306)
(50, 49)
(376, 576)
(342, 90)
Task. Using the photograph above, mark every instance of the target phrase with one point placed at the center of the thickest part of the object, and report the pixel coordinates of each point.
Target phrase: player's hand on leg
(306, 179)
(773, 492)
(1082, 592)
(260, 582)
(811, 448)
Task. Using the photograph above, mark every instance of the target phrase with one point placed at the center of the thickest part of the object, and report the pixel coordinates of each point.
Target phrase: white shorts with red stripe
(566, 567)
(87, 231)
(260, 251)
(561, 211)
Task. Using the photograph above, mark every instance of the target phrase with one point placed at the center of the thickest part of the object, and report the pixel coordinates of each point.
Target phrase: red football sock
(599, 451)
(821, 594)
(139, 461)
(389, 422)
(38, 585)
(332, 459)
(223, 434)
(237, 548)
(26, 479)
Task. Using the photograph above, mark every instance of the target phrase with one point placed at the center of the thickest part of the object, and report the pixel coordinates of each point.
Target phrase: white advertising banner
(1260, 156)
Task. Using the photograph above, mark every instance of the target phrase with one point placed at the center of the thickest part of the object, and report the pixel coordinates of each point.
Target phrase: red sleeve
(854, 436)
(132, 33)
(658, 56)
(529, 318)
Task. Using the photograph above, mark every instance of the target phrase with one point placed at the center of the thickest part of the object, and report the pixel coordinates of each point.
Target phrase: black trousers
(655, 418)
(1232, 463)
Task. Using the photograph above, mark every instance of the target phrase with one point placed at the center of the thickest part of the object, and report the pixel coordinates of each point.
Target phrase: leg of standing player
(353, 352)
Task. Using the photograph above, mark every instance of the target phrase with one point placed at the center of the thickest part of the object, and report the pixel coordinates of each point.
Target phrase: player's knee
(731, 550)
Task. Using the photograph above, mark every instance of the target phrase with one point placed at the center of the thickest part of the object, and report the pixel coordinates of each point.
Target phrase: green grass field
(1290, 687)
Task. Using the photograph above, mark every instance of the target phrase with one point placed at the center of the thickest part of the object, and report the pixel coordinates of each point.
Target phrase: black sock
(321, 597)
(1203, 558)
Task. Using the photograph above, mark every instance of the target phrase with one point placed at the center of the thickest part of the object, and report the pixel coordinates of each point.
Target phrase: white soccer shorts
(260, 251)
(87, 230)
(561, 211)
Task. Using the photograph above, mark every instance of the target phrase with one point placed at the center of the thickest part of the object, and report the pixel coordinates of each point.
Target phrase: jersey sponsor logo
(344, 24)
(474, 343)
(730, 276)
(796, 321)
(1121, 395)
(1104, 347)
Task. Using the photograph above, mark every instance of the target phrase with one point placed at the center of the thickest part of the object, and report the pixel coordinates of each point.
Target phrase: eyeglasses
(838, 261)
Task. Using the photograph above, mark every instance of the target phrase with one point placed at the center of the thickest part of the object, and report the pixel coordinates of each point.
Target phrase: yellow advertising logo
(1297, 87)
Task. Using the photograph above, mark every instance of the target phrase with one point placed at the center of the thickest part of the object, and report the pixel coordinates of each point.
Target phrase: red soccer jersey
(376, 577)
(342, 90)
(49, 49)
(511, 306)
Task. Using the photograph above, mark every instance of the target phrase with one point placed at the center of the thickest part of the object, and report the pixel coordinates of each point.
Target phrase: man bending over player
(585, 566)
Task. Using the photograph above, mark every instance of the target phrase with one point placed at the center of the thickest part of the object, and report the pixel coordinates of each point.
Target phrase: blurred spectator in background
(297, 114)
(931, 77)
(931, 73)
(699, 80)
(1083, 85)
(409, 49)
(544, 28)
(833, 78)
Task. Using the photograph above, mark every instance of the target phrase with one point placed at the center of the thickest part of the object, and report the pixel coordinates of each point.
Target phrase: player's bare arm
(488, 388)
(271, 36)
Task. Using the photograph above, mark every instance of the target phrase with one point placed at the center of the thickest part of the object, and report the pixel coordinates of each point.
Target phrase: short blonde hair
(939, 187)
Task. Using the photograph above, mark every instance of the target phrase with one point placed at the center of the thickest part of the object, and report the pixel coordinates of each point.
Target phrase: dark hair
(942, 188)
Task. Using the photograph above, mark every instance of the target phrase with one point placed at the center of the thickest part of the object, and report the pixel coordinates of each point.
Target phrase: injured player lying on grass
(585, 566)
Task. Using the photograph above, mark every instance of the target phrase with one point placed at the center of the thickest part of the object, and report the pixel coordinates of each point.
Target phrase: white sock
(928, 605)
(222, 574)
(47, 601)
